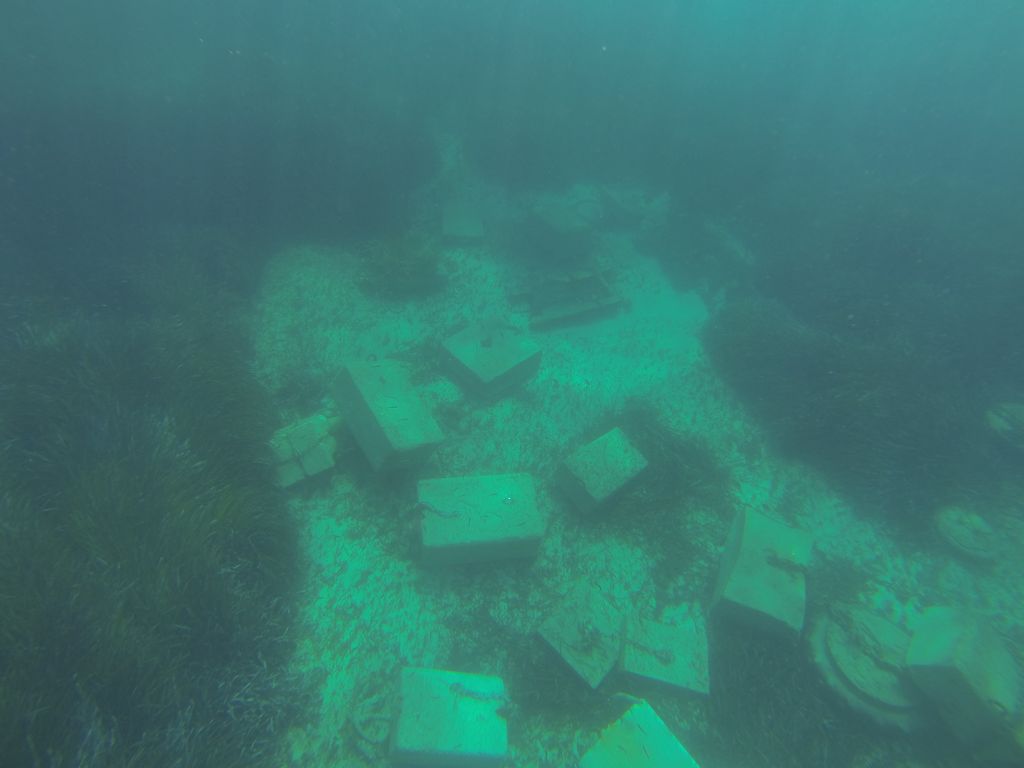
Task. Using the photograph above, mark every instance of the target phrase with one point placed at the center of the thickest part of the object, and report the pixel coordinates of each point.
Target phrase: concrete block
(596, 473)
(860, 655)
(672, 654)
(303, 449)
(389, 421)
(638, 739)
(450, 720)
(491, 359)
(586, 631)
(480, 518)
(966, 670)
(761, 575)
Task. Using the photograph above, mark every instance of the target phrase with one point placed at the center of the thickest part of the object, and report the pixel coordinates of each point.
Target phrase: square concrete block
(491, 359)
(761, 575)
(479, 519)
(964, 667)
(389, 421)
(586, 631)
(595, 474)
(638, 739)
(450, 720)
(303, 449)
(672, 654)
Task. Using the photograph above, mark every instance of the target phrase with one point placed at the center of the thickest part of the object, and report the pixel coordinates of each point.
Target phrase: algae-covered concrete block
(673, 654)
(491, 359)
(861, 656)
(586, 631)
(303, 449)
(761, 575)
(479, 519)
(389, 421)
(967, 671)
(450, 720)
(638, 739)
(600, 470)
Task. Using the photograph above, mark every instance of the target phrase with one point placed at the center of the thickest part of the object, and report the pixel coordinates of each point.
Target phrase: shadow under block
(638, 739)
(964, 667)
(761, 574)
(586, 631)
(303, 449)
(450, 720)
(479, 518)
(597, 472)
(672, 654)
(389, 421)
(491, 361)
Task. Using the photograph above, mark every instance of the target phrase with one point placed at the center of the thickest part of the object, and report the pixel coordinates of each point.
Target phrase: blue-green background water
(156, 157)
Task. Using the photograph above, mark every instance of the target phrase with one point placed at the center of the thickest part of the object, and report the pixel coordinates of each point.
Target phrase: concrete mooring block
(596, 473)
(761, 576)
(450, 720)
(491, 359)
(479, 518)
(389, 420)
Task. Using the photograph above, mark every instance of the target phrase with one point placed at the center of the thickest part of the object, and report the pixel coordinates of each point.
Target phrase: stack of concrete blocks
(391, 424)
(761, 578)
(597, 473)
(964, 667)
(491, 359)
(304, 449)
(586, 630)
(479, 519)
(670, 654)
(638, 739)
(450, 720)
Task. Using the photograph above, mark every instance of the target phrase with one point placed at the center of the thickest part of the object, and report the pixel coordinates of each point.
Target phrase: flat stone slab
(586, 630)
(491, 359)
(967, 671)
(389, 421)
(672, 654)
(303, 449)
(450, 720)
(761, 575)
(596, 473)
(638, 739)
(479, 518)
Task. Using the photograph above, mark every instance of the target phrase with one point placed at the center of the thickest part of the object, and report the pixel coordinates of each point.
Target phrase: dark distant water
(317, 117)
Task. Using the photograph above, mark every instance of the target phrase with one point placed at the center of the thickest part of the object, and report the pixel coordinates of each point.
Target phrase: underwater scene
(512, 384)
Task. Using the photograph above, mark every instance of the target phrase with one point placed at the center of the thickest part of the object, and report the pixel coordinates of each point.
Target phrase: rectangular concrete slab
(761, 574)
(672, 654)
(597, 472)
(479, 518)
(968, 672)
(491, 359)
(586, 631)
(450, 720)
(389, 421)
(638, 739)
